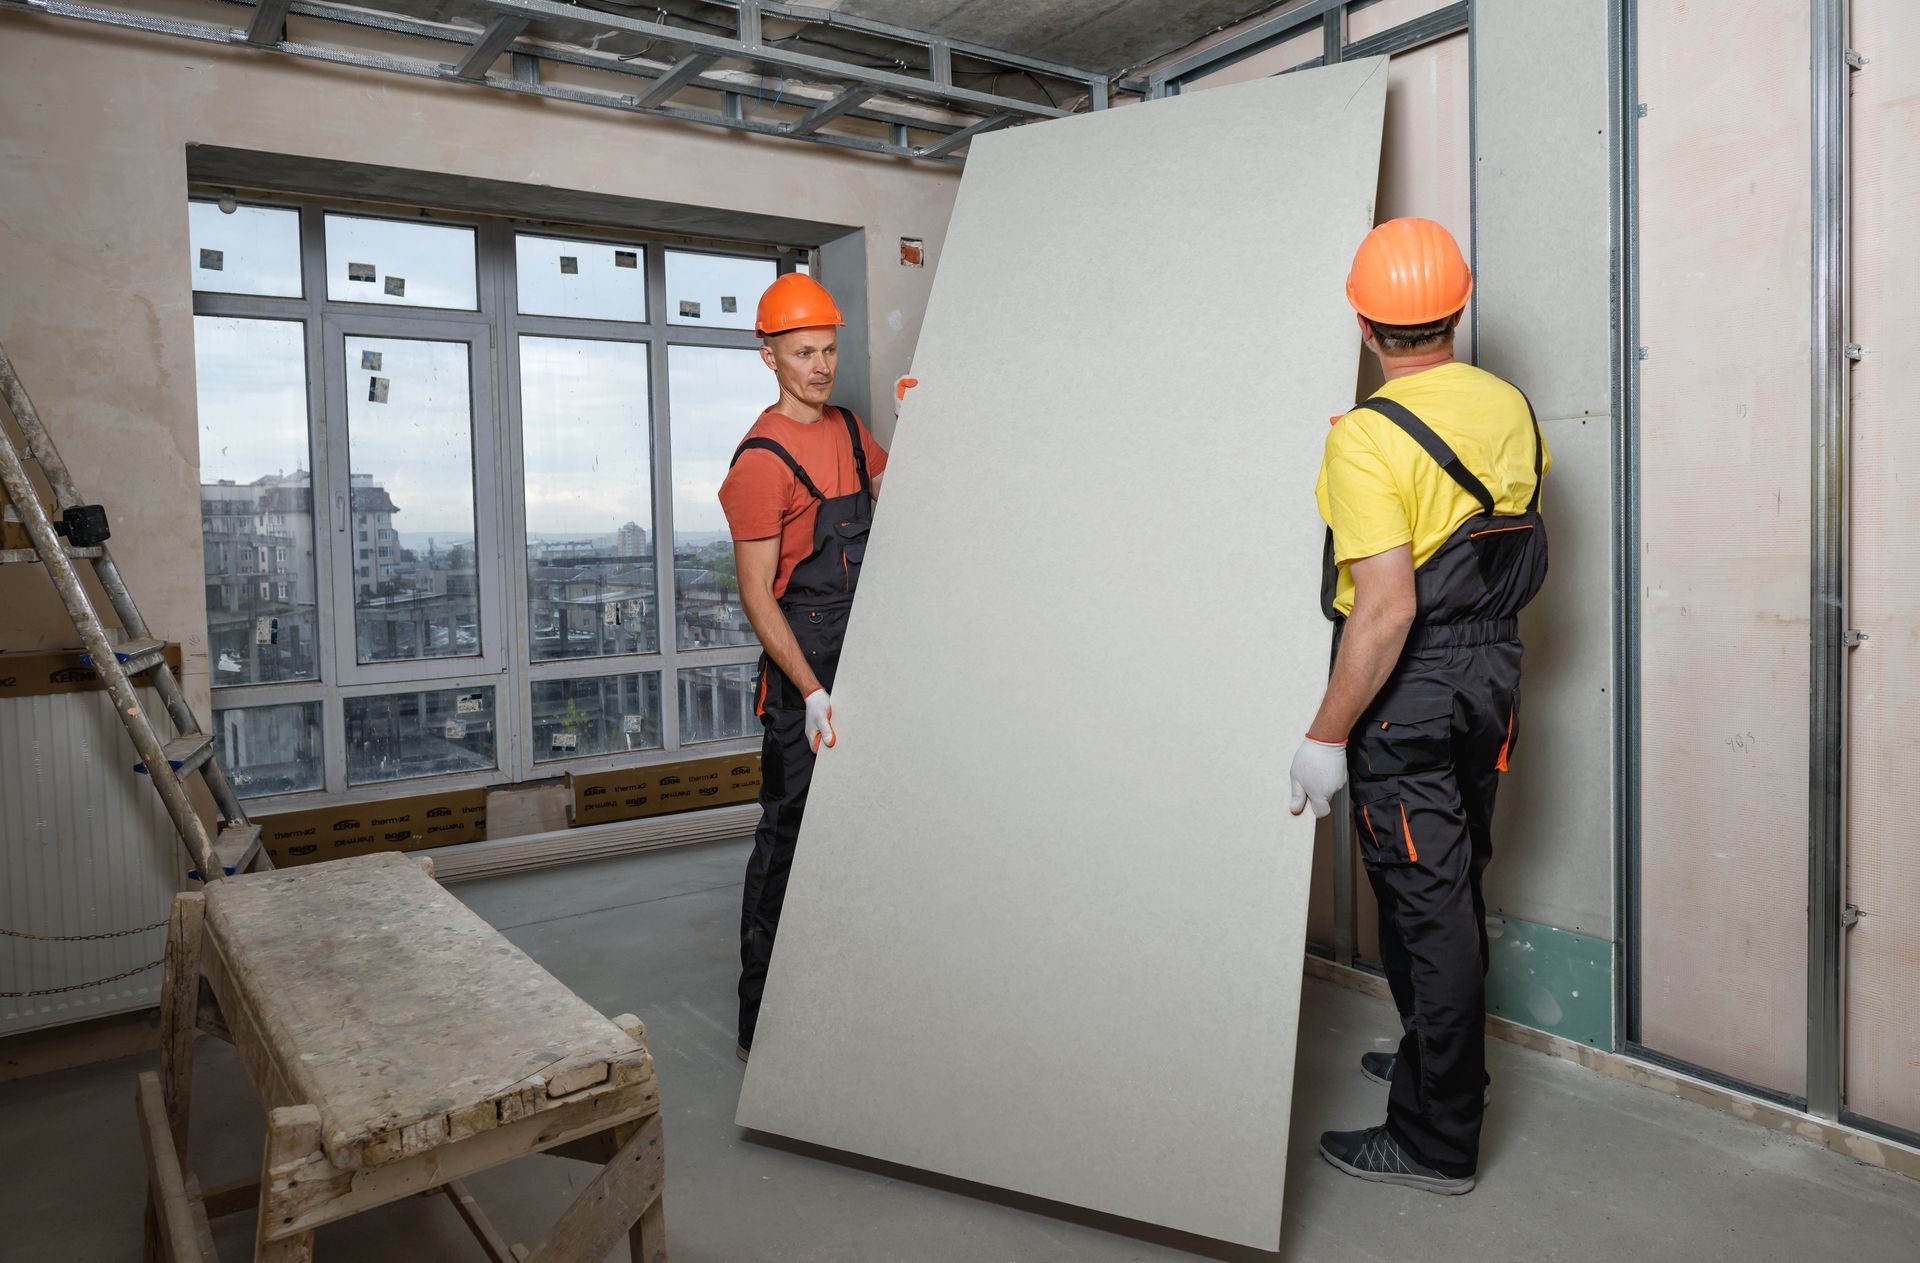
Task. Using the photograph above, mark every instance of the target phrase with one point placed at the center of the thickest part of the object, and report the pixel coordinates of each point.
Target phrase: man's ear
(766, 354)
(1366, 329)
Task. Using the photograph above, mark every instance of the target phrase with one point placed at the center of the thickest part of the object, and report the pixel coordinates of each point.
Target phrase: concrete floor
(1576, 1166)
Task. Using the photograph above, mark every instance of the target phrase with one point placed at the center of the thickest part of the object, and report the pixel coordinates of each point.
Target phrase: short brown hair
(1405, 339)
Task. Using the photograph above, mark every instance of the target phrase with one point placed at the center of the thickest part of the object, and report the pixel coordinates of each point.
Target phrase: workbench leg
(179, 1004)
(293, 1136)
(617, 1202)
(647, 1239)
(179, 1012)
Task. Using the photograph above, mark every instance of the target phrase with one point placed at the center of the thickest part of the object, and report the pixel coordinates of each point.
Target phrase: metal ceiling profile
(1166, 78)
(754, 66)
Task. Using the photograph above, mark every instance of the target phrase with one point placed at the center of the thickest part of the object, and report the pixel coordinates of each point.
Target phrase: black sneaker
(1374, 1155)
(1378, 1066)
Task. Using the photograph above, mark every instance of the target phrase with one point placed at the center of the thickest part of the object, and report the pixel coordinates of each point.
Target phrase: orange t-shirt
(762, 498)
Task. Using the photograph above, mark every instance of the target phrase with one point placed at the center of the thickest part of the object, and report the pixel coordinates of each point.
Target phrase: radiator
(85, 848)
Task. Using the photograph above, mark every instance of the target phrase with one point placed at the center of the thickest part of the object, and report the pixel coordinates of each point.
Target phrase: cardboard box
(662, 789)
(36, 672)
(293, 838)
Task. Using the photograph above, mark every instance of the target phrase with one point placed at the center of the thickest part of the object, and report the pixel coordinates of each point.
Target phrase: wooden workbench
(399, 1044)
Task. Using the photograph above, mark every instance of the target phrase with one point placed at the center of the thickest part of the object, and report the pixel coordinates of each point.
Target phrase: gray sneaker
(1375, 1155)
(1378, 1066)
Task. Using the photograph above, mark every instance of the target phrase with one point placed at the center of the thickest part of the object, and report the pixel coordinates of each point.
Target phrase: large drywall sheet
(1553, 834)
(1543, 313)
(1045, 924)
(1725, 443)
(1543, 310)
(1883, 861)
(1424, 170)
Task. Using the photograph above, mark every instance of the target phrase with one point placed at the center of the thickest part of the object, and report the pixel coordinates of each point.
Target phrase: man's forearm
(776, 637)
(1369, 650)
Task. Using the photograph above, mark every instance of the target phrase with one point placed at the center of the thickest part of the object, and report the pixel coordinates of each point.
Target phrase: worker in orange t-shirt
(799, 501)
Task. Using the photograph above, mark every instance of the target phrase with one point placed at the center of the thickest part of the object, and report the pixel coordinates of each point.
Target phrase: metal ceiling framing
(535, 33)
(1329, 15)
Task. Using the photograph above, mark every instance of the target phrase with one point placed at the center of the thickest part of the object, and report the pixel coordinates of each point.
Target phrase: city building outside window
(430, 447)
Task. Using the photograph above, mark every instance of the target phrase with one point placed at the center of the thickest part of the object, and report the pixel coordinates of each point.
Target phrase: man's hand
(1319, 772)
(819, 719)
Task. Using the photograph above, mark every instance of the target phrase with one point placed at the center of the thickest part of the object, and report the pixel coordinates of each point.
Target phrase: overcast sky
(584, 409)
(584, 403)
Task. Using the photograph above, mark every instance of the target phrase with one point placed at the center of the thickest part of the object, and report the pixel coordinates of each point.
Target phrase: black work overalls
(1423, 765)
(817, 601)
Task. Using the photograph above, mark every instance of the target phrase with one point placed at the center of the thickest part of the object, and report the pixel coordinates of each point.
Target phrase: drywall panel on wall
(1426, 167)
(1284, 56)
(1542, 306)
(1553, 845)
(1883, 859)
(1031, 941)
(1725, 442)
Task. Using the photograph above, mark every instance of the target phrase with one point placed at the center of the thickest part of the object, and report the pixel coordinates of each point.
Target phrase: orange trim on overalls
(1368, 817)
(1500, 764)
(1497, 530)
(1413, 852)
(760, 703)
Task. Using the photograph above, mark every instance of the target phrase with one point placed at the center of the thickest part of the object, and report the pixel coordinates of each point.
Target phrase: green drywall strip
(1553, 980)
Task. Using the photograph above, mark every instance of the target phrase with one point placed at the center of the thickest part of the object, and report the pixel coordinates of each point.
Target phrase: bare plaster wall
(96, 309)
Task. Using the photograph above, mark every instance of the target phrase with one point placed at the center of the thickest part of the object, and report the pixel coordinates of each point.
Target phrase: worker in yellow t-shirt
(1431, 494)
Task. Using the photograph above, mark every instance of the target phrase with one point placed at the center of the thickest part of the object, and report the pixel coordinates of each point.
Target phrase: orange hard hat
(795, 302)
(1408, 272)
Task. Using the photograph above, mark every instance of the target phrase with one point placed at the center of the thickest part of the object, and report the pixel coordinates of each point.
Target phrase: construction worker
(1431, 494)
(799, 501)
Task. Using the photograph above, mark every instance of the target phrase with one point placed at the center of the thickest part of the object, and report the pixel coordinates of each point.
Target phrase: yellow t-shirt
(1378, 489)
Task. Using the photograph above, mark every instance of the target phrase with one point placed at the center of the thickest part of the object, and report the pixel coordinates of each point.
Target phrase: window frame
(493, 330)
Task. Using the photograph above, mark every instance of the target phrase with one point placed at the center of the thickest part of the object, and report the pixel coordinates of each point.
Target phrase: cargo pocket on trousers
(1409, 731)
(1380, 825)
(852, 535)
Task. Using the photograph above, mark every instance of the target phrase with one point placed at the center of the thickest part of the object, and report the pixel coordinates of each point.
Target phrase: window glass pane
(270, 749)
(591, 583)
(256, 500)
(597, 715)
(716, 290)
(423, 733)
(410, 457)
(398, 263)
(718, 702)
(255, 250)
(585, 279)
(714, 395)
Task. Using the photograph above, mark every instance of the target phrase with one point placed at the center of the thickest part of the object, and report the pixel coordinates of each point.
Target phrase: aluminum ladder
(168, 763)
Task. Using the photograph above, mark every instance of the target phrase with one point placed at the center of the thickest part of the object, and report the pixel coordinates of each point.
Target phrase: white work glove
(819, 719)
(1319, 772)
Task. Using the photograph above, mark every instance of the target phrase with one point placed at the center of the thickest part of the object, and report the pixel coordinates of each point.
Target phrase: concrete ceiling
(1104, 36)
(1091, 34)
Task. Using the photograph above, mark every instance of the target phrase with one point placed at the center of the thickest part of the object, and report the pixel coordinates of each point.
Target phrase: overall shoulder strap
(768, 445)
(1533, 503)
(1435, 446)
(859, 446)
